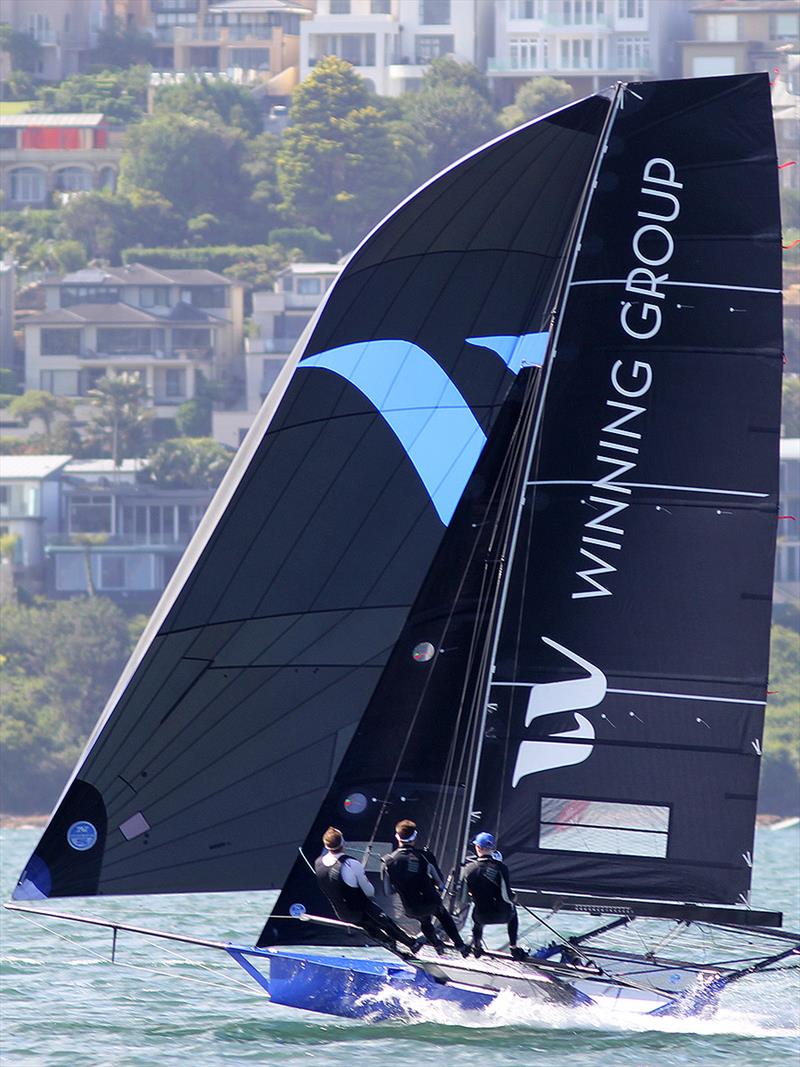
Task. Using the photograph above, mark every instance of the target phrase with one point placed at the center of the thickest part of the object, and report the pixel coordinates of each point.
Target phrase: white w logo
(550, 697)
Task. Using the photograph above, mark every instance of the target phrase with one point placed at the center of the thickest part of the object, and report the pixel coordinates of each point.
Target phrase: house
(168, 326)
(259, 38)
(391, 42)
(64, 30)
(30, 505)
(124, 536)
(787, 558)
(45, 154)
(279, 317)
(589, 43)
(737, 36)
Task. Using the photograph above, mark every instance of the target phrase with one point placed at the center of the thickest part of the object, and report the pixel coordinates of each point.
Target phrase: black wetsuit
(352, 905)
(489, 887)
(414, 875)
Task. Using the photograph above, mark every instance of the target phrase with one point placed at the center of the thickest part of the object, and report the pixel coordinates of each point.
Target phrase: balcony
(141, 542)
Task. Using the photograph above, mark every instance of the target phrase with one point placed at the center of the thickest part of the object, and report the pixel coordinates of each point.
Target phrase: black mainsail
(224, 736)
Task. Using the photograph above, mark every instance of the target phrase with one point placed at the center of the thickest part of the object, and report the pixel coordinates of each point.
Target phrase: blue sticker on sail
(296, 910)
(430, 417)
(82, 836)
(516, 350)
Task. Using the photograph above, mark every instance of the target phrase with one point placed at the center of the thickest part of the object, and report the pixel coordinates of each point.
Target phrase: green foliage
(195, 165)
(105, 223)
(8, 381)
(19, 85)
(339, 166)
(119, 423)
(212, 100)
(536, 97)
(254, 264)
(452, 120)
(58, 664)
(22, 234)
(311, 242)
(450, 73)
(121, 95)
(23, 48)
(59, 256)
(193, 418)
(790, 415)
(780, 772)
(121, 46)
(43, 406)
(188, 463)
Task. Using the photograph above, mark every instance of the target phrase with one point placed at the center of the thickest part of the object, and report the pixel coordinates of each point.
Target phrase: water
(166, 1004)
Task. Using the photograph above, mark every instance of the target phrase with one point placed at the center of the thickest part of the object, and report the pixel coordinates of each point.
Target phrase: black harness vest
(348, 901)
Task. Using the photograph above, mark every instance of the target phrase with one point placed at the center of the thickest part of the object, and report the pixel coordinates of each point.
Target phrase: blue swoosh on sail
(422, 406)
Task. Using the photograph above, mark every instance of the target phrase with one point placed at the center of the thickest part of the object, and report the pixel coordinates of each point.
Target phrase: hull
(360, 988)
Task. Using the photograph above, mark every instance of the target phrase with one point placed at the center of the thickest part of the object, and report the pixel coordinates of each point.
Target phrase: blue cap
(485, 840)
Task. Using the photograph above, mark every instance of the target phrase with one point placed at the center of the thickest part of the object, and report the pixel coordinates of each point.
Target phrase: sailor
(489, 887)
(344, 882)
(413, 873)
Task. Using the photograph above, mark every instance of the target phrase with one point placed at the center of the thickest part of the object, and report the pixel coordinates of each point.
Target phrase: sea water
(163, 1003)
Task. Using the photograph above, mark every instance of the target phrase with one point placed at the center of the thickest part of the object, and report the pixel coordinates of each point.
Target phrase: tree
(105, 223)
(536, 97)
(339, 167)
(790, 416)
(38, 404)
(188, 463)
(448, 71)
(122, 46)
(212, 99)
(121, 95)
(119, 421)
(23, 48)
(193, 417)
(780, 779)
(195, 165)
(452, 119)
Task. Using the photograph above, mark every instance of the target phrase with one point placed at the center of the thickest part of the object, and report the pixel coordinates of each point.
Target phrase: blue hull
(352, 988)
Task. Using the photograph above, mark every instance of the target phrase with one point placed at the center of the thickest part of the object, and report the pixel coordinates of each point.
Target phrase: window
(60, 382)
(633, 53)
(630, 9)
(784, 27)
(251, 58)
(309, 286)
(576, 54)
(434, 12)
(154, 296)
(525, 9)
(28, 185)
(429, 47)
(380, 7)
(712, 66)
(74, 180)
(616, 829)
(583, 12)
(175, 383)
(128, 340)
(205, 296)
(112, 572)
(528, 53)
(60, 342)
(89, 513)
(8, 138)
(191, 338)
(88, 294)
(108, 178)
(722, 27)
(340, 7)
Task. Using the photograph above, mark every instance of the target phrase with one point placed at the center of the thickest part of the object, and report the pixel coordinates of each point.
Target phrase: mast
(533, 418)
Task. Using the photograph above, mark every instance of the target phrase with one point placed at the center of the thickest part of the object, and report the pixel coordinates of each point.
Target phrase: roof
(118, 315)
(790, 448)
(90, 467)
(30, 467)
(139, 274)
(256, 7)
(43, 119)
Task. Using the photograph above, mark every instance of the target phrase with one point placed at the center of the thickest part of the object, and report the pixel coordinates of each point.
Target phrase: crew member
(489, 887)
(344, 882)
(414, 875)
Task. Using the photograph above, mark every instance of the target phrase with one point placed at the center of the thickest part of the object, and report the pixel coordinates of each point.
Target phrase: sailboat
(497, 554)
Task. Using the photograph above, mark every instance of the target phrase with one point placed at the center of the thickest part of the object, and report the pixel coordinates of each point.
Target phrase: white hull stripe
(651, 485)
(691, 285)
(647, 693)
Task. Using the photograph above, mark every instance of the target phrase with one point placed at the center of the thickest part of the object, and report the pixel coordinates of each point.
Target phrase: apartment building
(167, 326)
(736, 36)
(63, 153)
(260, 38)
(279, 317)
(65, 31)
(589, 43)
(29, 511)
(391, 42)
